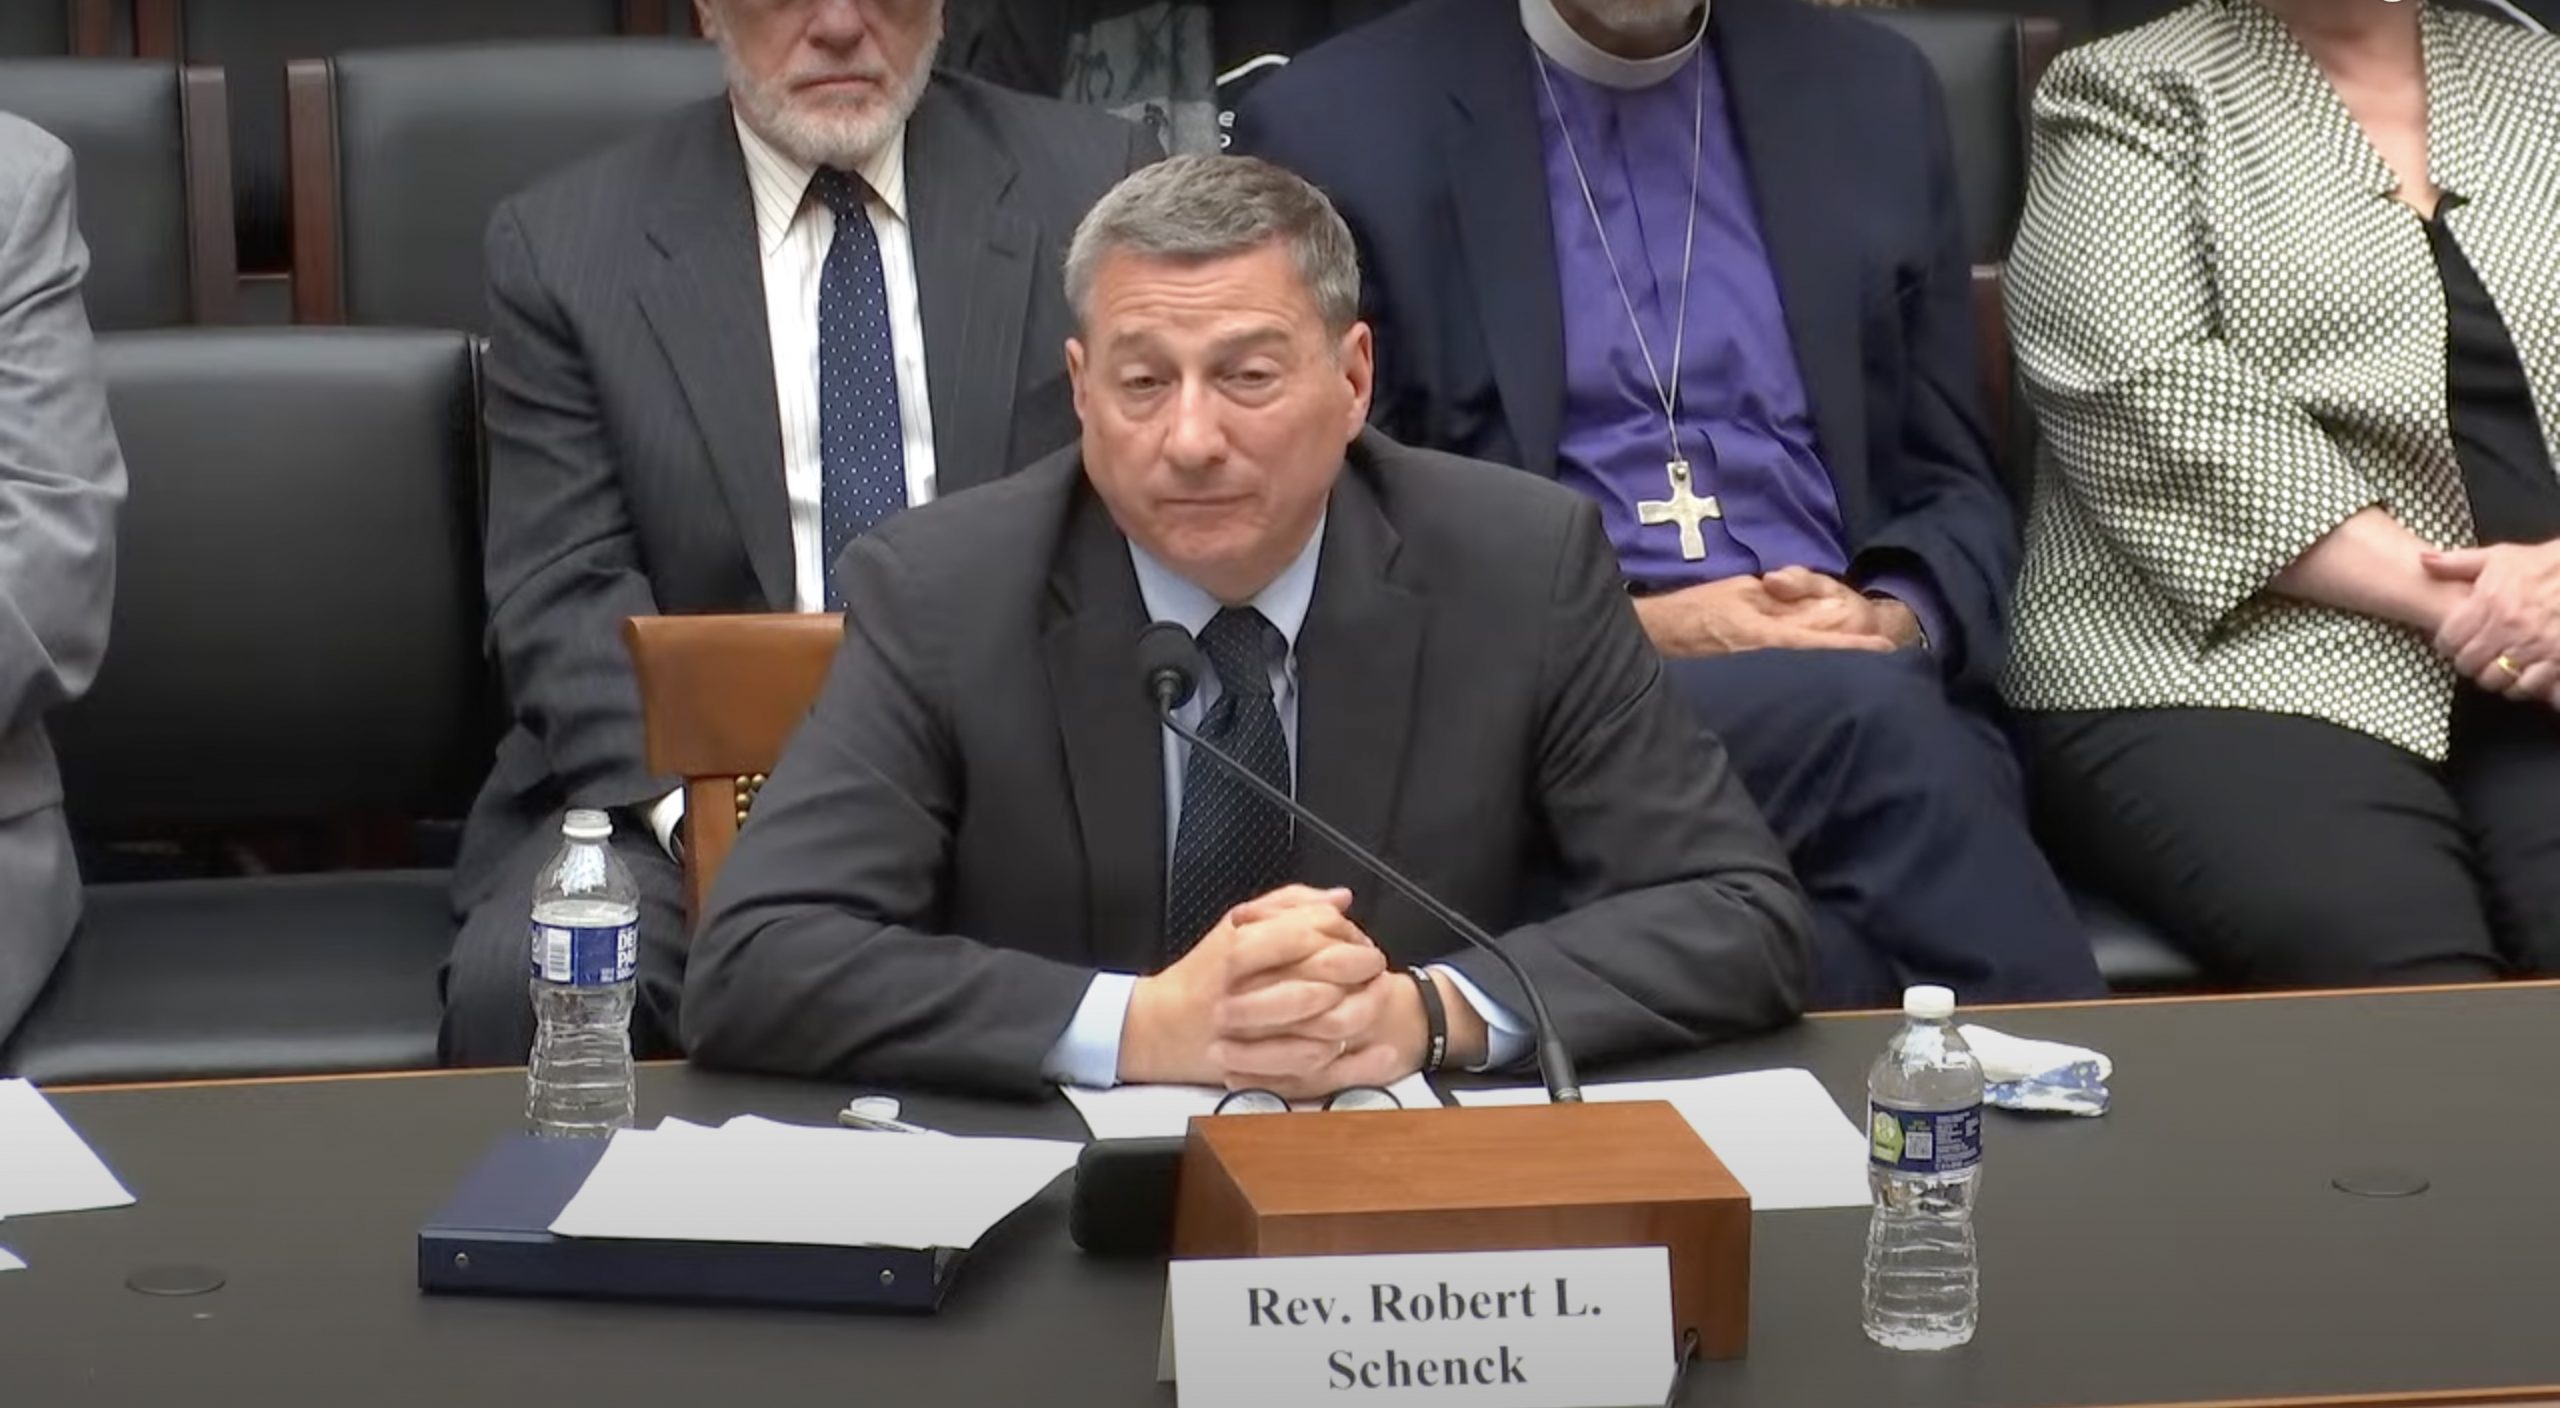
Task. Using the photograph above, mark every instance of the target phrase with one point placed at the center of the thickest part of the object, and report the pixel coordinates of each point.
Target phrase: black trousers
(2290, 851)
(487, 981)
(1905, 819)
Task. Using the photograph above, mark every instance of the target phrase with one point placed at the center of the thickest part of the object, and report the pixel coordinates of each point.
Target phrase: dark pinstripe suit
(636, 454)
(971, 824)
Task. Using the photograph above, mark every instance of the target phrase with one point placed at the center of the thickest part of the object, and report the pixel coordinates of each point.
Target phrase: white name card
(1546, 1329)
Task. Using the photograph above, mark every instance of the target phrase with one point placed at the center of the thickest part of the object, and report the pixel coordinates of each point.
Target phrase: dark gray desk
(2185, 1248)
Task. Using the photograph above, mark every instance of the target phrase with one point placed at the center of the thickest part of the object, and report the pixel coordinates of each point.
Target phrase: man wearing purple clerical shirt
(1704, 264)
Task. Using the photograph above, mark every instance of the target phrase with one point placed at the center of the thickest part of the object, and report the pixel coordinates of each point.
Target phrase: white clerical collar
(1583, 59)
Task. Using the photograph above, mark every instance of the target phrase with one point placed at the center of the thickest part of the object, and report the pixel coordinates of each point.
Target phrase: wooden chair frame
(213, 249)
(93, 29)
(720, 696)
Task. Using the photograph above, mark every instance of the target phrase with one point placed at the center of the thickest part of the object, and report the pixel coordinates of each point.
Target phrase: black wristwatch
(1435, 1019)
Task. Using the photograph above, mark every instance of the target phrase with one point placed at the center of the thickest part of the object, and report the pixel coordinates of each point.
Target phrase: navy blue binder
(492, 1239)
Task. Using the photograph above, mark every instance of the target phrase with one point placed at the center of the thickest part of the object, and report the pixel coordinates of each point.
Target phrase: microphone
(1171, 663)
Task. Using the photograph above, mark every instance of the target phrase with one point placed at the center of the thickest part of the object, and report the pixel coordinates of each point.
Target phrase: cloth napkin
(2020, 1073)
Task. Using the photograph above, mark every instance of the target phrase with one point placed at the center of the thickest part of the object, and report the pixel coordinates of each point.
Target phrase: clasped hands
(1288, 995)
(2503, 632)
(1793, 608)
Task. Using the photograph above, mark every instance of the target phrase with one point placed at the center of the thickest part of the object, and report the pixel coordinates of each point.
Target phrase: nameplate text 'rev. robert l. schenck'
(1548, 1329)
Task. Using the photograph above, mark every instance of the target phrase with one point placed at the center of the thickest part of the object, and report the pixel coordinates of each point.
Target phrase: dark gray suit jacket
(971, 823)
(635, 445)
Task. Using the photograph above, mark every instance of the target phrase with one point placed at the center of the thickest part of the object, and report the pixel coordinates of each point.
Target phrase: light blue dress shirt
(1088, 1052)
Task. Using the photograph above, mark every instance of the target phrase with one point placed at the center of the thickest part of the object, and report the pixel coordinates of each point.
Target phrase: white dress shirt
(1088, 1051)
(793, 235)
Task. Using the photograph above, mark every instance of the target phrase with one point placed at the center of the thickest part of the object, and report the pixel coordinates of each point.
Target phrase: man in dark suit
(718, 353)
(982, 837)
(1704, 266)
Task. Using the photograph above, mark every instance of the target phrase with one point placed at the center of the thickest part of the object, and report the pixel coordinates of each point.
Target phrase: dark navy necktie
(1231, 845)
(862, 451)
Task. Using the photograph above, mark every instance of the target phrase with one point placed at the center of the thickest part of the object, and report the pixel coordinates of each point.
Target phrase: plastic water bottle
(1924, 1126)
(586, 946)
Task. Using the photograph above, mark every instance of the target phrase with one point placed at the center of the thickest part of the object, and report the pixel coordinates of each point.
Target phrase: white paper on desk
(758, 1181)
(1778, 1131)
(44, 1164)
(9, 1261)
(1155, 1111)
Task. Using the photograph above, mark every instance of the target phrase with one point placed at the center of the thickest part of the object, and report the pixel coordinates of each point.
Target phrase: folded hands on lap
(2504, 634)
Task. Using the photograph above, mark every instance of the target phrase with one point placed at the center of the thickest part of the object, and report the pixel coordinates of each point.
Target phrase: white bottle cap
(1929, 1003)
(583, 825)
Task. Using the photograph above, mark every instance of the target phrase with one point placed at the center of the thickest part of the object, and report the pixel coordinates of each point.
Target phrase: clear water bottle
(586, 946)
(1924, 1126)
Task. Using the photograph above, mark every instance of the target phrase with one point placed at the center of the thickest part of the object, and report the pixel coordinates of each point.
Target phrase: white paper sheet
(1778, 1131)
(9, 1261)
(754, 1180)
(44, 1164)
(1155, 1111)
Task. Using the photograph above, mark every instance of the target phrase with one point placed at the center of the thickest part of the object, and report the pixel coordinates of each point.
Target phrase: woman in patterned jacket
(2287, 304)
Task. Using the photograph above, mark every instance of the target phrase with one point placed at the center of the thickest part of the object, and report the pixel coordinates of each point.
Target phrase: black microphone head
(1170, 662)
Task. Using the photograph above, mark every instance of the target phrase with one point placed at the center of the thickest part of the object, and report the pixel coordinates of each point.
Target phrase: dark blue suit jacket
(1423, 127)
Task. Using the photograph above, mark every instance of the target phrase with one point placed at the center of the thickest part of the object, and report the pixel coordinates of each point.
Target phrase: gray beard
(1638, 17)
(837, 135)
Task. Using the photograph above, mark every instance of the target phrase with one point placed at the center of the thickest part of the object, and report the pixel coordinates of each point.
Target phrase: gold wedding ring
(2510, 667)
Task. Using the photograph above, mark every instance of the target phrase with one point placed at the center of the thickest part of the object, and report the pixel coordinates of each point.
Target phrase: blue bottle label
(586, 956)
(1924, 1141)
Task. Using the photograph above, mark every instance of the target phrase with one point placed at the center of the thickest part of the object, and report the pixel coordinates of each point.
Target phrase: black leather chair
(2079, 20)
(2132, 955)
(296, 639)
(399, 155)
(1988, 66)
(31, 28)
(152, 153)
(255, 38)
(34, 27)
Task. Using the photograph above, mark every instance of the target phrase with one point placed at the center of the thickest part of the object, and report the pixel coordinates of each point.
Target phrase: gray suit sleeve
(1682, 923)
(821, 953)
(61, 473)
(561, 564)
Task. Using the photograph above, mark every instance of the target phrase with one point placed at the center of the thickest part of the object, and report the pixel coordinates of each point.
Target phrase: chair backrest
(152, 156)
(43, 28)
(254, 39)
(2005, 411)
(399, 155)
(2077, 20)
(1988, 65)
(719, 697)
(31, 27)
(298, 610)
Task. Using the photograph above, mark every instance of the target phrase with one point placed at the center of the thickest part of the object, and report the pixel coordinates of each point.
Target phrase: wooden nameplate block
(1503, 1178)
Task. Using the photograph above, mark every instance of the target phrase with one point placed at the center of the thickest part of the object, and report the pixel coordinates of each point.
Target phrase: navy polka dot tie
(863, 476)
(1232, 845)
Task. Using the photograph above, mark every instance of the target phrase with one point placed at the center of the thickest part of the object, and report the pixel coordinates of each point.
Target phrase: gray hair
(1196, 208)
